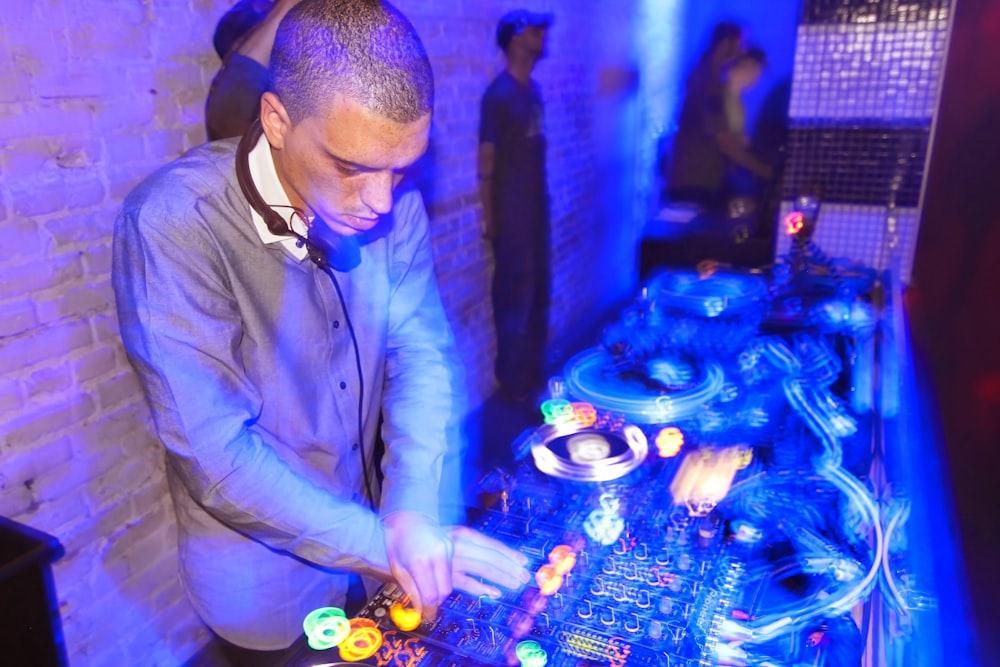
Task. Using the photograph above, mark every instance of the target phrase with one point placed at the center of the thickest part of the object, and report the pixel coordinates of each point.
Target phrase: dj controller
(697, 493)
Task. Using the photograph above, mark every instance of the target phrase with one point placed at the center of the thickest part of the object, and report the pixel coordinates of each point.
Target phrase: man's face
(731, 48)
(343, 166)
(534, 38)
(746, 74)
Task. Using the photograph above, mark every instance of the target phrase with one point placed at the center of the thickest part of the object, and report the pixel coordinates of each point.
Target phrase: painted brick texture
(93, 96)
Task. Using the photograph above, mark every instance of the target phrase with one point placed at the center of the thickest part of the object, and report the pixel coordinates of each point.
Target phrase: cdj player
(699, 491)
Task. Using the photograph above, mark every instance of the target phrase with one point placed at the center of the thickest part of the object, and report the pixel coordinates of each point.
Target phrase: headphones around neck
(326, 249)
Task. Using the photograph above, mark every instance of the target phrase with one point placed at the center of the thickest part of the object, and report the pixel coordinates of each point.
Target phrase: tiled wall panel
(864, 94)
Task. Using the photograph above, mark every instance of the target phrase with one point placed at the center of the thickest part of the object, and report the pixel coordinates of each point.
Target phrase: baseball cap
(513, 22)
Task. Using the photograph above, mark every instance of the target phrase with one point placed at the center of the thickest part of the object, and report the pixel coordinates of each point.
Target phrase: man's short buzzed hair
(363, 49)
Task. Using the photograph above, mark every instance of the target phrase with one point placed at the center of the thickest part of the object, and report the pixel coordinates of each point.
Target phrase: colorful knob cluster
(357, 639)
(669, 442)
(561, 411)
(531, 654)
(550, 576)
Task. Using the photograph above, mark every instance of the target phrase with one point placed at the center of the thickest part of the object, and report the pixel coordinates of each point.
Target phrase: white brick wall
(93, 96)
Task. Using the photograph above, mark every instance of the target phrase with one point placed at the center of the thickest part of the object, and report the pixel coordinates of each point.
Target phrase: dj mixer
(698, 492)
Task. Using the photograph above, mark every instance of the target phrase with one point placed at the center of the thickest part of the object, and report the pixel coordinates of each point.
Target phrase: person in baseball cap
(514, 193)
(514, 23)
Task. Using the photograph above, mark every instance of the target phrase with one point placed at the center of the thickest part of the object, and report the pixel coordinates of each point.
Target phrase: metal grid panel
(878, 71)
(857, 164)
(864, 94)
(875, 11)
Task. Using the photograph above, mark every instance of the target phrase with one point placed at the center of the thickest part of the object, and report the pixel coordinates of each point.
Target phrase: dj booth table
(743, 473)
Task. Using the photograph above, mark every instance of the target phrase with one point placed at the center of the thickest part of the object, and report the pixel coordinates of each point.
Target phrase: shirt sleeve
(490, 119)
(424, 383)
(181, 327)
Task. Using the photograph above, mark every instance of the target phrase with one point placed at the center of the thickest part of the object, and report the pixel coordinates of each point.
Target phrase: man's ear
(274, 119)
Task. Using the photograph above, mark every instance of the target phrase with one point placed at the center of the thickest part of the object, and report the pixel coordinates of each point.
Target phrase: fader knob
(632, 623)
(642, 599)
(684, 562)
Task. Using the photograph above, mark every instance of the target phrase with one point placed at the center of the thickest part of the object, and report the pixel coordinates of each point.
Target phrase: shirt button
(343, 385)
(354, 447)
(336, 324)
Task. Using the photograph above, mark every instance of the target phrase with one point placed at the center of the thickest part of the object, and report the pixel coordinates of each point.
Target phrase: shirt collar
(265, 179)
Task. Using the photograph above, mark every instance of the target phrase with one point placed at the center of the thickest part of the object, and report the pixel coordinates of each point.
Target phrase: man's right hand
(477, 556)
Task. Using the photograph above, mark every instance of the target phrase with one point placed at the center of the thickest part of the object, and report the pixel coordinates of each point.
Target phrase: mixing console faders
(696, 496)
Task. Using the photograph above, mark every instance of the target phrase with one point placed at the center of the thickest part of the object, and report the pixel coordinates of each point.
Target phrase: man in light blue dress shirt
(266, 374)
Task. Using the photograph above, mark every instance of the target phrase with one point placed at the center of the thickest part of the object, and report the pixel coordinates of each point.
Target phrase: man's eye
(346, 170)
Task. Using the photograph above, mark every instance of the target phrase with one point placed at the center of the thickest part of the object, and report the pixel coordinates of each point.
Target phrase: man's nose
(377, 192)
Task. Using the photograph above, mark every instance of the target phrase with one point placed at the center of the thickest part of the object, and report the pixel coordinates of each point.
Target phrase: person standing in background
(516, 204)
(711, 143)
(243, 39)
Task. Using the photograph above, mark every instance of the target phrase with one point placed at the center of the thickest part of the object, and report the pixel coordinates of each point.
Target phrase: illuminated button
(362, 643)
(794, 222)
(548, 580)
(404, 616)
(666, 605)
(669, 442)
(326, 627)
(556, 410)
(562, 559)
(584, 414)
(531, 654)
(655, 629)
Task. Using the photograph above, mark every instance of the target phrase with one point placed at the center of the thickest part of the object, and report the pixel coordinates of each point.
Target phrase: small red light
(794, 222)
